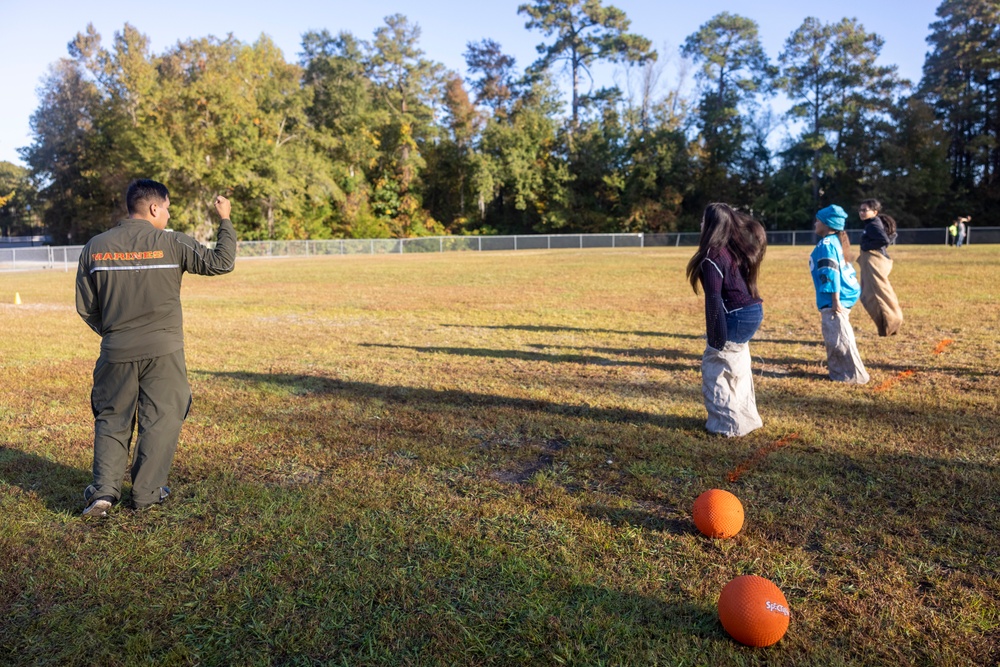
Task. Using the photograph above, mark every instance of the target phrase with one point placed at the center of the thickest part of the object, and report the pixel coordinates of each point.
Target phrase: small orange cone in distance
(754, 611)
(718, 513)
(17, 298)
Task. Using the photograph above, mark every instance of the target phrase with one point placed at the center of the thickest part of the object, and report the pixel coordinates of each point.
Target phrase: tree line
(365, 138)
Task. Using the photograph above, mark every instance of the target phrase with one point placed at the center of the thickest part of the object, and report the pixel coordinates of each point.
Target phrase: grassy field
(490, 459)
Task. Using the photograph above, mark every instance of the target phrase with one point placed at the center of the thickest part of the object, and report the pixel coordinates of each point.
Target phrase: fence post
(642, 240)
(65, 261)
(440, 244)
(341, 246)
(515, 241)
(401, 245)
(613, 240)
(581, 241)
(13, 258)
(480, 244)
(548, 241)
(677, 243)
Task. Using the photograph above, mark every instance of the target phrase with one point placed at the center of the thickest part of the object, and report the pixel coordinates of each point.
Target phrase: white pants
(727, 385)
(842, 356)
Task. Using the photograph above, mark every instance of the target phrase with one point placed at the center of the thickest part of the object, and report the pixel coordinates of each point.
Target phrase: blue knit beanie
(833, 217)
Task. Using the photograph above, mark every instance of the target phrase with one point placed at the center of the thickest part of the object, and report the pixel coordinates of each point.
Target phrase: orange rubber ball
(754, 611)
(718, 513)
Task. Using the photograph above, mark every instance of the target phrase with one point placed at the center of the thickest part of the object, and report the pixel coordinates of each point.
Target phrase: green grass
(473, 459)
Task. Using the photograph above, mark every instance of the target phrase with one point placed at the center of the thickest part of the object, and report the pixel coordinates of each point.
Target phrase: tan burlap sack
(727, 385)
(842, 357)
(877, 295)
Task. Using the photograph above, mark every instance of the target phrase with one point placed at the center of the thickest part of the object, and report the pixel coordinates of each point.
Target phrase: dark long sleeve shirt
(128, 285)
(725, 291)
(875, 238)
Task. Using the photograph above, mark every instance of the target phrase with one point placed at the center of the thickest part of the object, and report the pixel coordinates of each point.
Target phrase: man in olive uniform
(128, 291)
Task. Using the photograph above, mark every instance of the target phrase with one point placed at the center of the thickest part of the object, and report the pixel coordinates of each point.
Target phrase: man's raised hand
(223, 206)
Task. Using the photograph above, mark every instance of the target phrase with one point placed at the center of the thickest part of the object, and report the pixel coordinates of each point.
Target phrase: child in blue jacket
(837, 290)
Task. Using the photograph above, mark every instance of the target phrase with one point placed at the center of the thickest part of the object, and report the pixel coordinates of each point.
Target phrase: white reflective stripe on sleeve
(138, 267)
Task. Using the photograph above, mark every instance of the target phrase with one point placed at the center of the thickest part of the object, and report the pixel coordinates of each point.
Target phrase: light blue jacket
(832, 274)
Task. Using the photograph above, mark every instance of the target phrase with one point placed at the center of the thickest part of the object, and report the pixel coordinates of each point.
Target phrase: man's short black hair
(141, 190)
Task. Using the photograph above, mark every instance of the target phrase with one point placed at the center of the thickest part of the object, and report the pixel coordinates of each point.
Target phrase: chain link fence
(65, 257)
(922, 236)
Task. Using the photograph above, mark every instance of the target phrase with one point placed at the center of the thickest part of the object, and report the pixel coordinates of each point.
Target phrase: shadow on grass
(542, 328)
(778, 341)
(888, 503)
(317, 384)
(536, 356)
(651, 620)
(787, 361)
(878, 487)
(957, 371)
(820, 358)
(58, 485)
(620, 517)
(866, 503)
(643, 353)
(794, 367)
(789, 367)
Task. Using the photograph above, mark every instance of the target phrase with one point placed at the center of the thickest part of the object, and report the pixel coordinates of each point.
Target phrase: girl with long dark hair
(726, 264)
(877, 295)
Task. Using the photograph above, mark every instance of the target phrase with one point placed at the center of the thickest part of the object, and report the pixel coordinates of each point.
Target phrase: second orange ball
(718, 513)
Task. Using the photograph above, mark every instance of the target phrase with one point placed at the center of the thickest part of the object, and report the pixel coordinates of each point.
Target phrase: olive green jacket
(128, 285)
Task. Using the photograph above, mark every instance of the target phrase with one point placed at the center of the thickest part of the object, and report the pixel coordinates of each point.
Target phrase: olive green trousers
(153, 394)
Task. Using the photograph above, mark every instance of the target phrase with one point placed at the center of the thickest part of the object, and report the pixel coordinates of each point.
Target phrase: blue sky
(34, 34)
